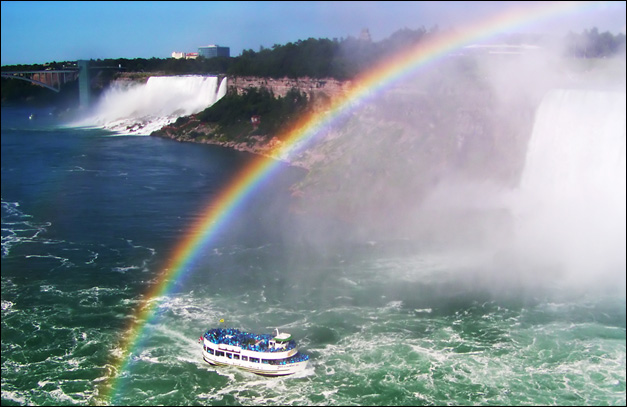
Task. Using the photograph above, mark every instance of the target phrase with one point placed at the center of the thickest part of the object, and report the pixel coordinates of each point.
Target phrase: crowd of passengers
(245, 340)
(298, 357)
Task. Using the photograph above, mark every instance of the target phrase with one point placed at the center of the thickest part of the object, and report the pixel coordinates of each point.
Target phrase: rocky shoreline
(319, 92)
(194, 131)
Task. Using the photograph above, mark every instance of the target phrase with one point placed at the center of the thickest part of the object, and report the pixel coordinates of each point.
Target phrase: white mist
(141, 109)
(571, 206)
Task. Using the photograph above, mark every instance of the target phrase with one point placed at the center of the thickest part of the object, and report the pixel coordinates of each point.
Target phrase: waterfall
(144, 108)
(571, 205)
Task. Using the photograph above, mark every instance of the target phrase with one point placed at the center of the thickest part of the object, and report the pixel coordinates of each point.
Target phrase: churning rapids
(89, 220)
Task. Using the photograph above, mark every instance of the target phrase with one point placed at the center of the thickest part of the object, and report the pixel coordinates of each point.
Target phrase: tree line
(325, 58)
(341, 59)
(592, 44)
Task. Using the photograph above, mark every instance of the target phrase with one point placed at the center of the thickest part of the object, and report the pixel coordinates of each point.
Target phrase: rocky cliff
(434, 150)
(318, 91)
(442, 138)
(377, 164)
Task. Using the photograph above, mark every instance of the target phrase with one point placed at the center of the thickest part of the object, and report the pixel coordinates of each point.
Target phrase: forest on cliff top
(342, 59)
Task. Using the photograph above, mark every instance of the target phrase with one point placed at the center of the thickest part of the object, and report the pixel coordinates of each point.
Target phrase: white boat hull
(259, 368)
(262, 354)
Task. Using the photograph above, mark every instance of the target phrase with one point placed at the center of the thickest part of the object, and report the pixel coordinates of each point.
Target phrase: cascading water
(141, 109)
(571, 207)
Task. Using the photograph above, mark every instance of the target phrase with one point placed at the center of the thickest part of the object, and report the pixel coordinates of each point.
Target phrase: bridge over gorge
(54, 79)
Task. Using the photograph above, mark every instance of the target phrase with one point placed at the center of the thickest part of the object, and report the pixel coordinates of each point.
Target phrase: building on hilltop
(211, 51)
(188, 55)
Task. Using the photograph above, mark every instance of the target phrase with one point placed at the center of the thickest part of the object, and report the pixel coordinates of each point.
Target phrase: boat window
(219, 353)
(244, 358)
(236, 356)
(229, 355)
(209, 350)
(256, 360)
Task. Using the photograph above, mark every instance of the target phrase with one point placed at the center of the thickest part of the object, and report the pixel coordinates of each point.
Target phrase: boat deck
(245, 340)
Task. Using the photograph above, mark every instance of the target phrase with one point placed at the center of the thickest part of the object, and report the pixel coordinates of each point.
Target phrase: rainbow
(220, 210)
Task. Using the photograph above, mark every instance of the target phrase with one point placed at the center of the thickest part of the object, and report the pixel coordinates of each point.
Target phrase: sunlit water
(88, 220)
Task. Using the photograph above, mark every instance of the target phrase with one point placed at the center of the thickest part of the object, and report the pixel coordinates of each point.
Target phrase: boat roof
(248, 340)
(283, 337)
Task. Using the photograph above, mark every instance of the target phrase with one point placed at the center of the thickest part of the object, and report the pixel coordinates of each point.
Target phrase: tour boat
(263, 354)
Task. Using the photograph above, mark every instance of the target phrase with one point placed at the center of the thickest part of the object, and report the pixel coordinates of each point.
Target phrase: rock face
(197, 132)
(321, 88)
(435, 156)
(382, 166)
(426, 158)
(318, 91)
(382, 160)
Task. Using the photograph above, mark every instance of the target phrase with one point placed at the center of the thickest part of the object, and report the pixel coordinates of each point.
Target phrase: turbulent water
(90, 217)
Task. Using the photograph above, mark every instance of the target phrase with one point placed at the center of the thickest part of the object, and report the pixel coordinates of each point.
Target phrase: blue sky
(38, 32)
